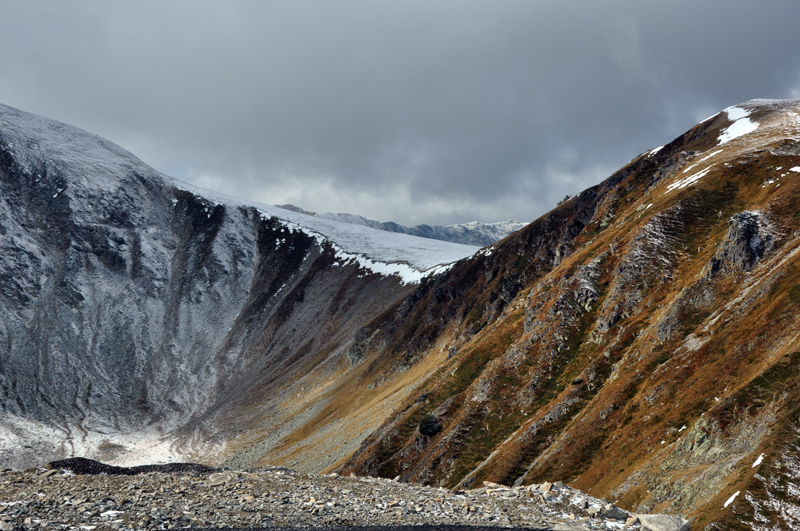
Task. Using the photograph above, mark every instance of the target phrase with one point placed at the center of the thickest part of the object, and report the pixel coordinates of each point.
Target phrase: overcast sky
(412, 111)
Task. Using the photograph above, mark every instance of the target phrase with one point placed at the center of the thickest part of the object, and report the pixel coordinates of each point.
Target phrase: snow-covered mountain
(473, 233)
(132, 304)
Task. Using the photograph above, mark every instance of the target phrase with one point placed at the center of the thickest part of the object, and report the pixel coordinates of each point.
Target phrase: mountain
(639, 342)
(472, 233)
(136, 310)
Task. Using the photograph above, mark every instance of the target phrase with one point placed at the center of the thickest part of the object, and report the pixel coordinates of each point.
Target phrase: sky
(431, 111)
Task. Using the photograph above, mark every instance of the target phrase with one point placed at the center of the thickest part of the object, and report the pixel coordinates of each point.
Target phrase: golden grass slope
(626, 343)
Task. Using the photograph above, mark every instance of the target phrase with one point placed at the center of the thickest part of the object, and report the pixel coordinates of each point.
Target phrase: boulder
(663, 522)
(612, 512)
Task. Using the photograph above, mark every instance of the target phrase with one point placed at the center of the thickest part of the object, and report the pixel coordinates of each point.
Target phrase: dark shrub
(429, 425)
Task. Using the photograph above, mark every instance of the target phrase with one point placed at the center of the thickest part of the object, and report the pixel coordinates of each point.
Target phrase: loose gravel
(102, 498)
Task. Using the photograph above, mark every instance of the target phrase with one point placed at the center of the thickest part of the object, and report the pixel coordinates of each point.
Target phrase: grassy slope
(566, 401)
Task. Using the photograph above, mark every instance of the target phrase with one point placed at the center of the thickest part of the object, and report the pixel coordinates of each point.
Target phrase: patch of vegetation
(761, 391)
(794, 293)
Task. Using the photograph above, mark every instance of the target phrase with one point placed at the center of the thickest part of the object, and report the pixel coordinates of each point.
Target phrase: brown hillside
(639, 341)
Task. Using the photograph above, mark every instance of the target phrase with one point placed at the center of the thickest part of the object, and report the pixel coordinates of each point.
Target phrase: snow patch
(758, 461)
(683, 183)
(408, 273)
(730, 500)
(710, 117)
(796, 168)
(741, 125)
(701, 160)
(654, 151)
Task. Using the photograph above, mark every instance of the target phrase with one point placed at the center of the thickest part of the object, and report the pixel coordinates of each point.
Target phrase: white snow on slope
(730, 500)
(683, 183)
(741, 125)
(400, 254)
(472, 233)
(406, 272)
(758, 461)
(89, 161)
(702, 160)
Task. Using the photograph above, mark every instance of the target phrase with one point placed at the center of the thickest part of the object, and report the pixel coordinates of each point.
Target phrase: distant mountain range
(473, 233)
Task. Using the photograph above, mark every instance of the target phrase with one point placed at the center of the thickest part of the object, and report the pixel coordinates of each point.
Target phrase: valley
(639, 342)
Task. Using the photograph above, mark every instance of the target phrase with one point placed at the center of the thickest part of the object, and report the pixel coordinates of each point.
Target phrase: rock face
(135, 312)
(747, 241)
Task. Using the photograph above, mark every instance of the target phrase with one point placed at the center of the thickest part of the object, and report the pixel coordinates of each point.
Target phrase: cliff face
(135, 314)
(639, 341)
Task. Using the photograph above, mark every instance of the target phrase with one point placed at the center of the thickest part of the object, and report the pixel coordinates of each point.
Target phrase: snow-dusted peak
(72, 152)
(474, 233)
(407, 255)
(86, 160)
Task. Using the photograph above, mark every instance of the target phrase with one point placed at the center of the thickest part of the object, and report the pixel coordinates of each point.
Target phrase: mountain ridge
(473, 233)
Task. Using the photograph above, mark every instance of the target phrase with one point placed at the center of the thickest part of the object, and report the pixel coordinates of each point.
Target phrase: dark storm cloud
(433, 112)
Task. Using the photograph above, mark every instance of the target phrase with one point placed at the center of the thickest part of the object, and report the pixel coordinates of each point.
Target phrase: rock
(632, 519)
(747, 241)
(545, 487)
(217, 479)
(613, 513)
(663, 522)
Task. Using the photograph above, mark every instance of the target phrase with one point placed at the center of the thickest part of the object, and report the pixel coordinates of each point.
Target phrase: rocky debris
(195, 496)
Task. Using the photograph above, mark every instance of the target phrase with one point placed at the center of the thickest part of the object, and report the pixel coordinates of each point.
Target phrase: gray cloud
(413, 111)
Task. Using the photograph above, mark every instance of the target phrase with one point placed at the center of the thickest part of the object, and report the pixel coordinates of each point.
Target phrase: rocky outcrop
(748, 239)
